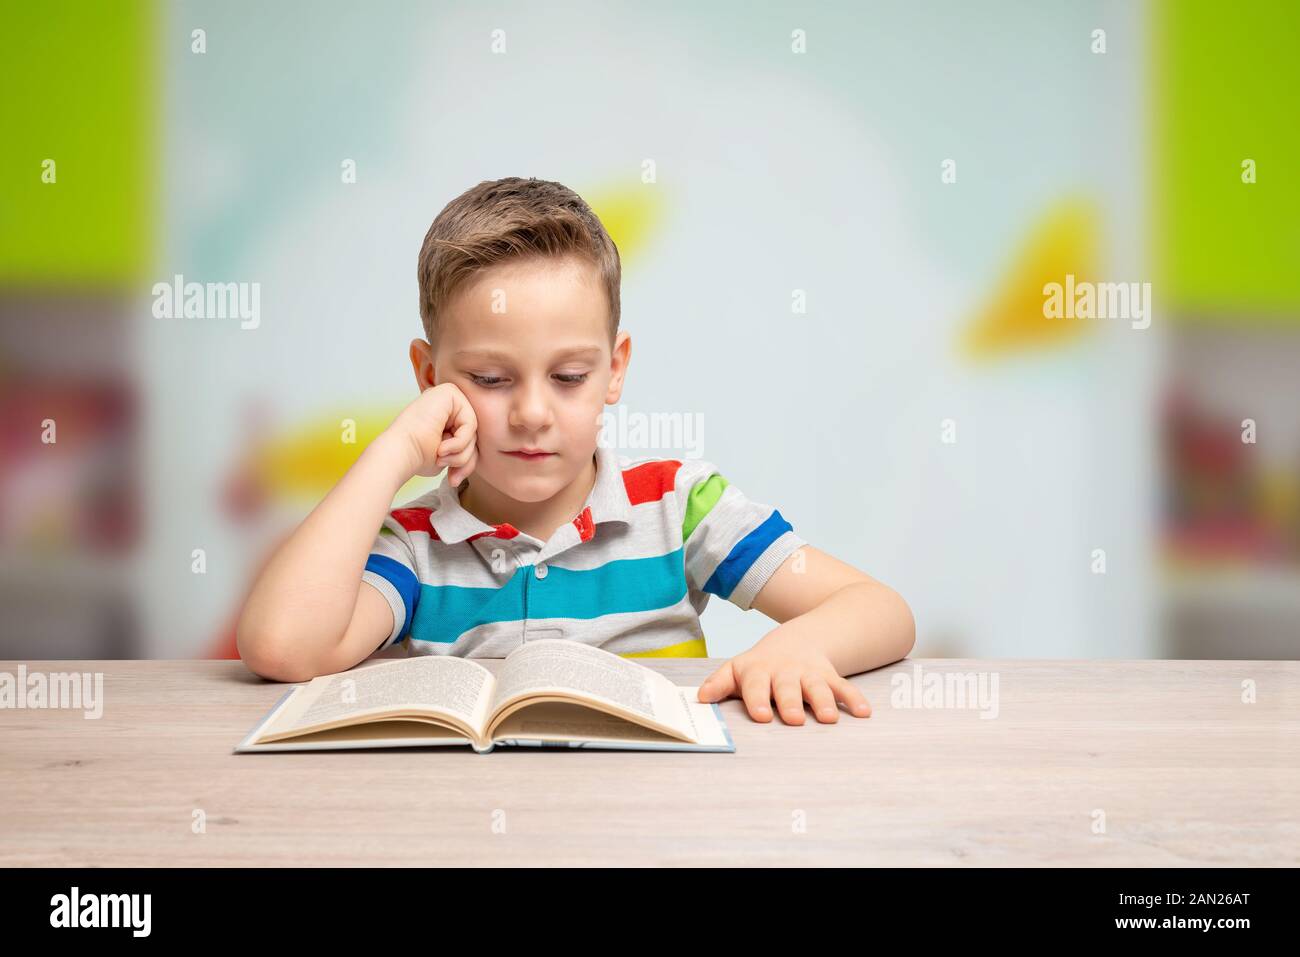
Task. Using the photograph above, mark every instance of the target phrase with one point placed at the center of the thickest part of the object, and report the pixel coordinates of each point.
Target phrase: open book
(547, 693)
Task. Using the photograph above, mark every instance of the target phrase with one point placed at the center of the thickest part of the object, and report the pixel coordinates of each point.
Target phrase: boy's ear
(622, 355)
(422, 364)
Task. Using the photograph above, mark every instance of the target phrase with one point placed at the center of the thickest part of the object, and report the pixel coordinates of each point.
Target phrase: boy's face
(528, 344)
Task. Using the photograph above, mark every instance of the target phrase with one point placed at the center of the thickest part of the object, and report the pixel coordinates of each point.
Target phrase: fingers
(819, 696)
(759, 688)
(853, 699)
(455, 456)
(459, 426)
(788, 692)
(459, 452)
(790, 689)
(458, 441)
(721, 684)
(756, 689)
(462, 413)
(463, 465)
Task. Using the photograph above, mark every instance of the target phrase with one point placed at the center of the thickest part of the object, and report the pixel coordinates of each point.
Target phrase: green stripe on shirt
(702, 498)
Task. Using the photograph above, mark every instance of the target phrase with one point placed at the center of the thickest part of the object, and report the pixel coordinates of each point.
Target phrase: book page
(415, 732)
(561, 666)
(437, 683)
(564, 721)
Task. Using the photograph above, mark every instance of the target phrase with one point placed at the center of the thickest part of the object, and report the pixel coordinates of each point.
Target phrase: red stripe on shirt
(504, 530)
(584, 525)
(415, 520)
(650, 481)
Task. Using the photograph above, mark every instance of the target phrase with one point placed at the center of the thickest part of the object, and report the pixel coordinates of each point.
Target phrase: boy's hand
(784, 666)
(439, 429)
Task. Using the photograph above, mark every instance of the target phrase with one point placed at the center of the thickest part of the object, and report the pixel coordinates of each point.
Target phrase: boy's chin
(528, 488)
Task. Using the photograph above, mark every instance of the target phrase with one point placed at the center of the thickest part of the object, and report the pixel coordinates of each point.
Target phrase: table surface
(1092, 763)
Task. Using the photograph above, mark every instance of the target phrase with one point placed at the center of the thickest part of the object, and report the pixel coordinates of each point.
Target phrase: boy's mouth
(530, 455)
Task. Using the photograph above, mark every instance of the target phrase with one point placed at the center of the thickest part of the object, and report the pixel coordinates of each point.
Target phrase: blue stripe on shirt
(744, 553)
(401, 578)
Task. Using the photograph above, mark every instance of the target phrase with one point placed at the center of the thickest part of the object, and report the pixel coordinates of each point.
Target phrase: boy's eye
(489, 381)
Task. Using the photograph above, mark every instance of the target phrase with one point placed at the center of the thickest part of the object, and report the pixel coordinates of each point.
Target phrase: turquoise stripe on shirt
(444, 612)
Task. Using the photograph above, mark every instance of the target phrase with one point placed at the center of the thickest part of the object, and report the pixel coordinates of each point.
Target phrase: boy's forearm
(303, 600)
(859, 627)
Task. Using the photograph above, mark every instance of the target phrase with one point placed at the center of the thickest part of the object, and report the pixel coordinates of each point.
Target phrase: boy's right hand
(439, 429)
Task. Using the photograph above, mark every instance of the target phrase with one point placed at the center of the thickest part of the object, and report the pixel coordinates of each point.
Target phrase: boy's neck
(538, 519)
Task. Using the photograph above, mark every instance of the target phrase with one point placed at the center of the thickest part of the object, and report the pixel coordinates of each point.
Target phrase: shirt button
(540, 569)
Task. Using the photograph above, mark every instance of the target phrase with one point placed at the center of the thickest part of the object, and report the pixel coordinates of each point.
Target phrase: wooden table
(1095, 763)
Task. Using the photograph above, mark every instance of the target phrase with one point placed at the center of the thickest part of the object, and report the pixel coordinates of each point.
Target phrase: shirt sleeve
(390, 568)
(732, 544)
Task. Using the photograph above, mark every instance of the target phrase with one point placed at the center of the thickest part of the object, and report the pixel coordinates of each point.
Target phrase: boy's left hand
(785, 667)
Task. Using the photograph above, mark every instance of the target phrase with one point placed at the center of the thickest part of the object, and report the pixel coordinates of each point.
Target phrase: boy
(554, 536)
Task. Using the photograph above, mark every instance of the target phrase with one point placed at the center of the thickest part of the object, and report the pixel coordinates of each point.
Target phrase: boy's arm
(834, 621)
(856, 621)
(310, 613)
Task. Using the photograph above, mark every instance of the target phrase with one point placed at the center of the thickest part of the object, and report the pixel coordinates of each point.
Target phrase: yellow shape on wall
(1063, 242)
(308, 461)
(629, 214)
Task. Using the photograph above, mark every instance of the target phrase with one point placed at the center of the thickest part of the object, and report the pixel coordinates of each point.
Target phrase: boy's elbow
(906, 626)
(270, 658)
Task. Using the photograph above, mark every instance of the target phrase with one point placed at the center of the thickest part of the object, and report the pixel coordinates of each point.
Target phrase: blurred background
(836, 226)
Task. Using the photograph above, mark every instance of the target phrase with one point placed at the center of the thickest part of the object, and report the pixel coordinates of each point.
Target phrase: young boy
(554, 536)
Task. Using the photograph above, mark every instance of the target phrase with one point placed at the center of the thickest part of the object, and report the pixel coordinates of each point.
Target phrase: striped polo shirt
(631, 573)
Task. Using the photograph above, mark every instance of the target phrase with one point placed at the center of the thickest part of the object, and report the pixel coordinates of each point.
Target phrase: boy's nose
(531, 410)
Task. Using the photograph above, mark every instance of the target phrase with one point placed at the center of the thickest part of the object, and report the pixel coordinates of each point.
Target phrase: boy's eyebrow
(573, 352)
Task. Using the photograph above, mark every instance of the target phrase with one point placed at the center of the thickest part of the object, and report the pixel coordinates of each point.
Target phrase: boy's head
(519, 296)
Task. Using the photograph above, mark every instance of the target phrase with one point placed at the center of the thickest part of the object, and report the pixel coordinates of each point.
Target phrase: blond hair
(511, 219)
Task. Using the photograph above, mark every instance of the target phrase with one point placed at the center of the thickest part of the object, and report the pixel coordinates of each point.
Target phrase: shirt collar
(607, 501)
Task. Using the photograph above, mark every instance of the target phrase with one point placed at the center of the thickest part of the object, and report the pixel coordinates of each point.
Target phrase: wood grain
(1184, 771)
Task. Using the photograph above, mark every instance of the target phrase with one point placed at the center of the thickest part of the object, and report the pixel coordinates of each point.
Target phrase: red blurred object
(1212, 505)
(79, 492)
